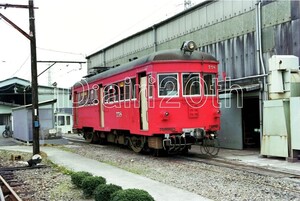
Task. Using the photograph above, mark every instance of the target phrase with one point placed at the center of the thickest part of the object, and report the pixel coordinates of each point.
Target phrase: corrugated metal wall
(224, 28)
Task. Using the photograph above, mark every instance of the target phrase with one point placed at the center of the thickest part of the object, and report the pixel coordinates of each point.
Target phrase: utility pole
(31, 37)
(35, 100)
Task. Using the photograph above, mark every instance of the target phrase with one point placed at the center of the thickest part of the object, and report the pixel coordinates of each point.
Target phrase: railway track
(13, 189)
(249, 170)
(216, 161)
(229, 179)
(7, 192)
(239, 166)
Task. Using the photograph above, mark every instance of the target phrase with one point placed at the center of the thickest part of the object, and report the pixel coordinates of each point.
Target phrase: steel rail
(22, 168)
(12, 195)
(1, 194)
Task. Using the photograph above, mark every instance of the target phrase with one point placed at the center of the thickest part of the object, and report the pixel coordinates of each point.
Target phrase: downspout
(261, 66)
(104, 57)
(154, 39)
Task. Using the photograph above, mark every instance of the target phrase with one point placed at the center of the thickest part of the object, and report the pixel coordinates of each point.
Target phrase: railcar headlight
(189, 46)
(165, 115)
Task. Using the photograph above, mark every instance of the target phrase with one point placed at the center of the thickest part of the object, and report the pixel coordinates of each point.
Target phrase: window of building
(61, 120)
(68, 120)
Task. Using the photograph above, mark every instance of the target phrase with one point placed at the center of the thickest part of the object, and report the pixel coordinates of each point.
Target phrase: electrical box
(284, 77)
(283, 62)
(295, 123)
(275, 139)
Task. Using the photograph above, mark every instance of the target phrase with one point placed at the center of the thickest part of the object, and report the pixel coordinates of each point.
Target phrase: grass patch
(59, 168)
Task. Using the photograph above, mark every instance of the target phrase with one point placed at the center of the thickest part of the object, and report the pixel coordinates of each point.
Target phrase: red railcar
(167, 100)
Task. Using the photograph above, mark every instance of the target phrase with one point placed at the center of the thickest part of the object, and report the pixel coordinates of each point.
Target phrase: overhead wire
(20, 67)
(59, 51)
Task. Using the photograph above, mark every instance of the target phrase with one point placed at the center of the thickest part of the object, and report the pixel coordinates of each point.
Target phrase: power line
(20, 66)
(59, 51)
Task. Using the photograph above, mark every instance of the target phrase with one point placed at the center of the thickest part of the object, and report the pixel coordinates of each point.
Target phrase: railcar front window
(191, 84)
(168, 85)
(209, 84)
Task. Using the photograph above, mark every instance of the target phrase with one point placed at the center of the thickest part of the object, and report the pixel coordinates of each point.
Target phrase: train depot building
(257, 45)
(15, 109)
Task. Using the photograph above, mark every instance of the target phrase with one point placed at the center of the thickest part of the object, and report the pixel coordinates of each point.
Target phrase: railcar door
(75, 106)
(101, 106)
(143, 103)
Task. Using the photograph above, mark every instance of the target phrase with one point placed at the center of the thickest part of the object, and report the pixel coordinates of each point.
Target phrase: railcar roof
(166, 55)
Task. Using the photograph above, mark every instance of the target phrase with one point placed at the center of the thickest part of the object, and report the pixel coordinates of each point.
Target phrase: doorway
(250, 120)
(143, 102)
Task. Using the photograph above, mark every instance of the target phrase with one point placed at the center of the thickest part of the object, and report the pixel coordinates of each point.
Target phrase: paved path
(160, 191)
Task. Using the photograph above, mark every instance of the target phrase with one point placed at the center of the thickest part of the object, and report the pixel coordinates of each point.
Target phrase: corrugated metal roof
(48, 102)
(165, 55)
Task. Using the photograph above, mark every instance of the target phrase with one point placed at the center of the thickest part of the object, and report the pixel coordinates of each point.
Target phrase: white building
(16, 92)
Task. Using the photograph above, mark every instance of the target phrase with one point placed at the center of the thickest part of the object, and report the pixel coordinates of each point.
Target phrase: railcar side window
(116, 91)
(80, 98)
(209, 84)
(127, 90)
(168, 85)
(111, 94)
(150, 86)
(92, 96)
(121, 87)
(84, 98)
(133, 90)
(191, 84)
(106, 94)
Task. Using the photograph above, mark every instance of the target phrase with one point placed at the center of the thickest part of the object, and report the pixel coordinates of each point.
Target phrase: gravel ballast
(210, 181)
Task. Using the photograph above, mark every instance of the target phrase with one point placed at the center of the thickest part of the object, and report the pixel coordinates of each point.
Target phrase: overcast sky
(71, 30)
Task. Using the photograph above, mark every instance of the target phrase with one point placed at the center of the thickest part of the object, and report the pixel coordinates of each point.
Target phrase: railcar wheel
(88, 136)
(137, 143)
(5, 134)
(210, 146)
